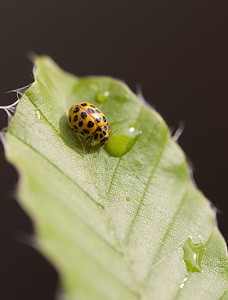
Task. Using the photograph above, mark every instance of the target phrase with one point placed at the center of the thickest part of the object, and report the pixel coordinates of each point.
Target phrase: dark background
(176, 50)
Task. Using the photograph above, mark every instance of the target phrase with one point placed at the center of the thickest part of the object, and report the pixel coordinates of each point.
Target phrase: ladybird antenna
(113, 133)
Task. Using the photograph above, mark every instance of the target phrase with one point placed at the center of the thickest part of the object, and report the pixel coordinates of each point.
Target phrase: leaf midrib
(58, 135)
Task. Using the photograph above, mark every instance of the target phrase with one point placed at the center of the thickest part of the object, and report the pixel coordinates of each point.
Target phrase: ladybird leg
(91, 144)
(82, 141)
(91, 140)
(103, 142)
(101, 148)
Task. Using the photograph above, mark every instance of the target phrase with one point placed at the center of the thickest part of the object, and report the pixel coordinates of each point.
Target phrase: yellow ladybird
(88, 121)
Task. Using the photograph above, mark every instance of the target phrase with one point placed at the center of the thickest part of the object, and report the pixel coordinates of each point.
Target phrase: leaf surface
(126, 223)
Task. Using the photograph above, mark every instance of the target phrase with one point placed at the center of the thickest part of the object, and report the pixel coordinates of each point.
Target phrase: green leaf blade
(114, 224)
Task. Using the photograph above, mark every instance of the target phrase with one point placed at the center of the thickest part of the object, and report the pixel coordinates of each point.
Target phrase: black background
(176, 50)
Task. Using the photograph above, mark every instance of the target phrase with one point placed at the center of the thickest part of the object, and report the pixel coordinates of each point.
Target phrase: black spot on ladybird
(82, 133)
(99, 129)
(76, 128)
(86, 131)
(92, 105)
(98, 119)
(104, 118)
(98, 111)
(83, 104)
(69, 118)
(95, 136)
(105, 127)
(104, 133)
(101, 135)
(80, 123)
(83, 115)
(76, 110)
(91, 111)
(75, 118)
(90, 124)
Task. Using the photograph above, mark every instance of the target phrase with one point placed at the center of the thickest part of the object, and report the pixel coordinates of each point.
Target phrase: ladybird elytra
(89, 122)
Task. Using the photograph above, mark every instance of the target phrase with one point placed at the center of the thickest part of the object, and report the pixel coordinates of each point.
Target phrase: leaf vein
(145, 189)
(69, 178)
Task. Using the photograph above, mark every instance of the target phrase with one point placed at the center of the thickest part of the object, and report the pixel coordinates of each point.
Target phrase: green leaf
(126, 223)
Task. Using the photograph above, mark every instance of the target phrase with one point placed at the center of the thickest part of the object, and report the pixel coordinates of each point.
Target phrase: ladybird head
(104, 141)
